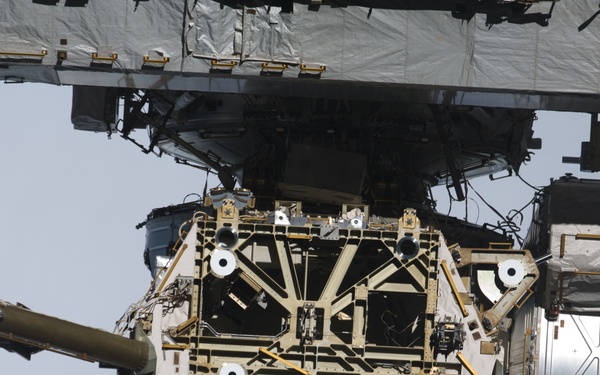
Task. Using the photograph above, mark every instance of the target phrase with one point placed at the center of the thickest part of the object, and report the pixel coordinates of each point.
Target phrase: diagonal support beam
(259, 276)
(292, 285)
(339, 271)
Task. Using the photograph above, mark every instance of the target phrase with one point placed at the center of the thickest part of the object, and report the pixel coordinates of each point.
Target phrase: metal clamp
(148, 60)
(25, 54)
(112, 57)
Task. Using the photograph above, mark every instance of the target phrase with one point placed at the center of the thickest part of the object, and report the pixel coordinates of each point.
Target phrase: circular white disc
(232, 369)
(511, 272)
(222, 263)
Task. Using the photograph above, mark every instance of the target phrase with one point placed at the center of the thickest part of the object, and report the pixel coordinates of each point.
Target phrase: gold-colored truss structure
(312, 298)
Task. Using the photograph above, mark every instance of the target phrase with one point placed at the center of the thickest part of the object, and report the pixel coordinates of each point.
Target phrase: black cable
(528, 184)
(520, 211)
(478, 209)
(486, 203)
(512, 227)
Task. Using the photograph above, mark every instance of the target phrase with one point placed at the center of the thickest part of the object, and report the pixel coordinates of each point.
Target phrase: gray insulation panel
(399, 54)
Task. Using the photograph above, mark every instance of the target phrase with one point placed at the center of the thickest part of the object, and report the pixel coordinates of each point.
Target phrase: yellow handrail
(465, 363)
(112, 57)
(266, 66)
(278, 358)
(148, 60)
(305, 68)
(229, 64)
(25, 54)
(454, 290)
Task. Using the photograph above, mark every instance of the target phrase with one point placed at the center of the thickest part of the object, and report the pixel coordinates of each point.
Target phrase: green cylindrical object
(81, 341)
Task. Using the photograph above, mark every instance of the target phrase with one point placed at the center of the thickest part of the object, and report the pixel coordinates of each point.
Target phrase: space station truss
(316, 300)
(263, 294)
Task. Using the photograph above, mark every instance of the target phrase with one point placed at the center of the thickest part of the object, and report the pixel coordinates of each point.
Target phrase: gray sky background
(70, 200)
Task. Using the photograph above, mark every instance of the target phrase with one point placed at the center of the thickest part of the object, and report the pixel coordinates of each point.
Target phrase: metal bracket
(329, 232)
(308, 323)
(514, 293)
(409, 220)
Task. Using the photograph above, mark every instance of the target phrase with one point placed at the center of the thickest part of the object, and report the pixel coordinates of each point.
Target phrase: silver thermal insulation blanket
(574, 278)
(532, 60)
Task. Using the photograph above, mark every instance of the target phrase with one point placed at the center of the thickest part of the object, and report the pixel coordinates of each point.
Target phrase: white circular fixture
(232, 369)
(222, 263)
(511, 272)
